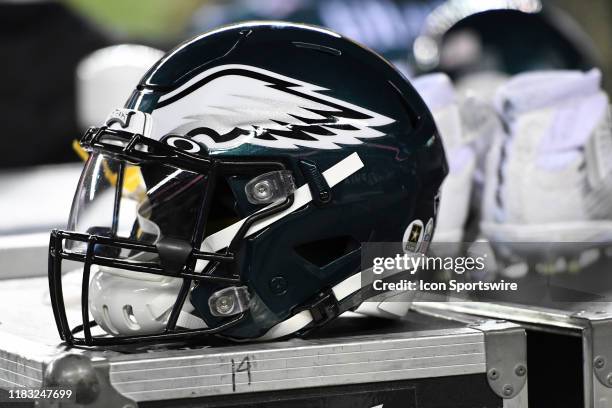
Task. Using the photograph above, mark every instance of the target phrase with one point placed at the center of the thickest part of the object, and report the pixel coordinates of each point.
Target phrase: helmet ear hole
(324, 251)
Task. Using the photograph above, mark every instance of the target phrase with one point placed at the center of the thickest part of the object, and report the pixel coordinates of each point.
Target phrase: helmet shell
(316, 246)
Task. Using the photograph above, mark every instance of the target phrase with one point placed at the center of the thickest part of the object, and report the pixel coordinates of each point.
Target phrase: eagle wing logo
(230, 105)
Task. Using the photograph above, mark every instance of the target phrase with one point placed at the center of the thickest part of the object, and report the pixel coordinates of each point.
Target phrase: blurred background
(67, 63)
(45, 43)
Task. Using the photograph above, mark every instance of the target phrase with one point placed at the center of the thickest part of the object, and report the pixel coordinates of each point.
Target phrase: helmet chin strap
(302, 319)
(341, 292)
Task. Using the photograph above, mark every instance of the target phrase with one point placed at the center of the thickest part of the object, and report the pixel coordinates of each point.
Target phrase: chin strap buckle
(324, 308)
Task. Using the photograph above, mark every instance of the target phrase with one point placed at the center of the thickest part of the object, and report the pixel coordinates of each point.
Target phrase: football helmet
(233, 192)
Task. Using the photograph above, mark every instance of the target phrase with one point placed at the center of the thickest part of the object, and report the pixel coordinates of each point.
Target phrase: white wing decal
(234, 104)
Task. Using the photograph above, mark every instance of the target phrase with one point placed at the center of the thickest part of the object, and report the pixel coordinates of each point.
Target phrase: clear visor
(141, 202)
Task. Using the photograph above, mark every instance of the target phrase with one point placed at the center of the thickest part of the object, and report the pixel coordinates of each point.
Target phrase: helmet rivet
(224, 305)
(324, 196)
(262, 190)
(278, 285)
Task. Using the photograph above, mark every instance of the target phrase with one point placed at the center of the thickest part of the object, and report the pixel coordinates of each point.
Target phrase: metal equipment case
(569, 348)
(446, 360)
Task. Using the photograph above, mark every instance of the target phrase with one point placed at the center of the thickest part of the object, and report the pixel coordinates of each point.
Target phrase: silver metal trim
(302, 364)
(505, 347)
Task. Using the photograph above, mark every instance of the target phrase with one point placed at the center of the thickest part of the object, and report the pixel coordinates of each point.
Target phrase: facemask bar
(131, 153)
(57, 254)
(136, 147)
